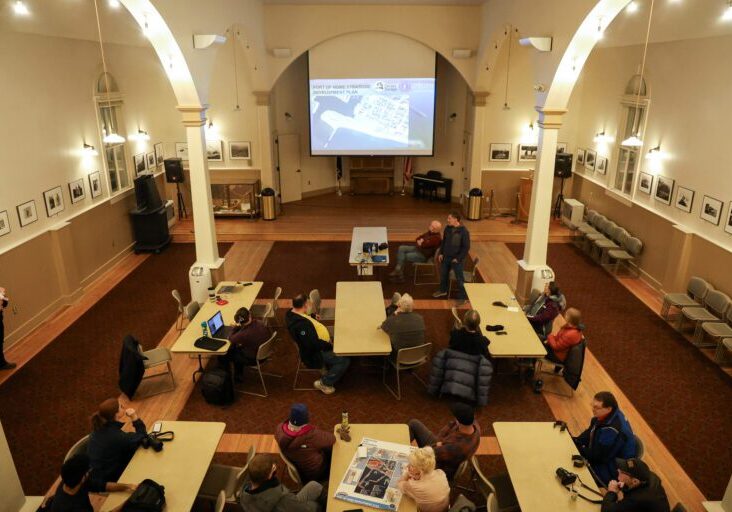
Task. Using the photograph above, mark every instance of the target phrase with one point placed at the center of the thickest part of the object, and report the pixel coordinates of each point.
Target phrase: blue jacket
(461, 375)
(603, 442)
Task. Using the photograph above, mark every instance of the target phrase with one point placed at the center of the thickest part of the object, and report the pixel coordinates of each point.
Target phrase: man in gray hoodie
(265, 493)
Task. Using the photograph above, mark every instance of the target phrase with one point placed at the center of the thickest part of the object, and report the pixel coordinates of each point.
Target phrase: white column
(207, 251)
(264, 128)
(537, 234)
(478, 148)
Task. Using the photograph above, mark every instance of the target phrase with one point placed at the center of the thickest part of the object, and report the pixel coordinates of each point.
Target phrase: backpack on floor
(148, 497)
(217, 387)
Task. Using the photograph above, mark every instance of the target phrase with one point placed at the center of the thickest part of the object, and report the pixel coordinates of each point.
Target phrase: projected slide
(368, 116)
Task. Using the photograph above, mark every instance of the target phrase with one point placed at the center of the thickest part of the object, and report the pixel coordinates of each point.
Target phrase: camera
(561, 424)
(151, 441)
(566, 477)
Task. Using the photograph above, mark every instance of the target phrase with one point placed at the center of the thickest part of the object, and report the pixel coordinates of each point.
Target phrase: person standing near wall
(4, 364)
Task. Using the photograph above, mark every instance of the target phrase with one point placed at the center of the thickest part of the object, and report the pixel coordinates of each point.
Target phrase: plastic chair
(157, 357)
(227, 479)
(407, 359)
(264, 354)
(468, 276)
(325, 314)
(640, 449)
(79, 447)
(499, 486)
(300, 368)
(220, 502)
(268, 312)
(291, 470)
(457, 323)
(716, 305)
(181, 313)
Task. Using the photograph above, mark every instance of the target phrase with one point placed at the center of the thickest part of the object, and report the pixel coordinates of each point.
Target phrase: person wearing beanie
(306, 446)
(454, 443)
(637, 488)
(110, 449)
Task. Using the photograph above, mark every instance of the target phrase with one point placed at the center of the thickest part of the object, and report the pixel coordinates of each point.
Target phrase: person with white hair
(404, 327)
(427, 486)
(426, 245)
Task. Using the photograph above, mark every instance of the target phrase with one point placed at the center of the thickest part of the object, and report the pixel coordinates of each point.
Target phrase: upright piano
(429, 183)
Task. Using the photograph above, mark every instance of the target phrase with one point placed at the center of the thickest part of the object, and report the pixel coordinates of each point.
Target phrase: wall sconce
(288, 116)
(453, 116)
(140, 136)
(89, 150)
(654, 153)
(603, 138)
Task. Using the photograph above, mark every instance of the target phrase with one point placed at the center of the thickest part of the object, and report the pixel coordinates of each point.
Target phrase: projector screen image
(372, 116)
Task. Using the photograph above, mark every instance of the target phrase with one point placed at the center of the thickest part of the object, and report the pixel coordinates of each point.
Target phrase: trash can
(475, 204)
(269, 207)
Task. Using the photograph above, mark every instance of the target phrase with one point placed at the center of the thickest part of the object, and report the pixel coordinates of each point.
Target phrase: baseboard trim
(319, 192)
(106, 266)
(648, 278)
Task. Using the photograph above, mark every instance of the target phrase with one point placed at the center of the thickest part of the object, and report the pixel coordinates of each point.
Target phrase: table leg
(199, 369)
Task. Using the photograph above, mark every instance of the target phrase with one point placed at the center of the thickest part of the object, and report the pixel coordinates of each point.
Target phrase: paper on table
(513, 309)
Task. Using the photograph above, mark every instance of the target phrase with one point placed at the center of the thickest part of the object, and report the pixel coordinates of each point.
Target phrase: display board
(371, 478)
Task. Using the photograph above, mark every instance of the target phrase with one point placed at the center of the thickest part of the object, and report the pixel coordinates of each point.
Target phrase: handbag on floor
(217, 387)
(148, 497)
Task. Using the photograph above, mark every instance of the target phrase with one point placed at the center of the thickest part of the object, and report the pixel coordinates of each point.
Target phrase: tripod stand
(557, 211)
(182, 213)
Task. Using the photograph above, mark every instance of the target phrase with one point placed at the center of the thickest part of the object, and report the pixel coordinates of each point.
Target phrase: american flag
(407, 169)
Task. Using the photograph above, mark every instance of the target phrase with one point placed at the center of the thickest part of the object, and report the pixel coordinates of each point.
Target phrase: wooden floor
(244, 260)
(332, 217)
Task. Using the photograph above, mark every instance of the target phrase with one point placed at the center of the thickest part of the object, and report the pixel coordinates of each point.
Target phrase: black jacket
(455, 243)
(110, 450)
(471, 343)
(303, 332)
(131, 366)
(460, 375)
(648, 497)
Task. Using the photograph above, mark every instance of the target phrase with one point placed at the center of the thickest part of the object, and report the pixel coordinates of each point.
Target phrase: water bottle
(204, 328)
(344, 420)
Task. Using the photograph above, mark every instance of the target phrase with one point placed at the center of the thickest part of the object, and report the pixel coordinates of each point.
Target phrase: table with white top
(359, 312)
(180, 467)
(356, 258)
(520, 339)
(533, 451)
(241, 297)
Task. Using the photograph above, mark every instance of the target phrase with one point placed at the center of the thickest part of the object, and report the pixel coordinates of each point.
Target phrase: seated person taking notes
(542, 312)
(246, 337)
(313, 340)
(404, 327)
(425, 248)
(468, 339)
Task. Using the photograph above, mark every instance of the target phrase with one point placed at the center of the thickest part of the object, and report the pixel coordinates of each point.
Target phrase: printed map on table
(372, 480)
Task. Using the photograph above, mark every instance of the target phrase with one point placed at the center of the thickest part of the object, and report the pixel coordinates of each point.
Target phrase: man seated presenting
(455, 443)
(313, 340)
(264, 492)
(608, 437)
(246, 337)
(558, 345)
(404, 327)
(542, 312)
(427, 244)
(637, 488)
(305, 445)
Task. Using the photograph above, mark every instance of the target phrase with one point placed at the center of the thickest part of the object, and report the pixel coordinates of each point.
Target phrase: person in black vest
(4, 364)
(454, 249)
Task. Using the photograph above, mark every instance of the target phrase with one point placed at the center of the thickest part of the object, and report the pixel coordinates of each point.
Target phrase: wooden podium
(524, 199)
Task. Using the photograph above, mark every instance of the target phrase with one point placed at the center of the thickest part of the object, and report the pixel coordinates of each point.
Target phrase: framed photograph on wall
(240, 150)
(151, 164)
(590, 158)
(728, 226)
(27, 213)
(4, 223)
(214, 151)
(527, 152)
(95, 184)
(645, 183)
(684, 199)
(501, 152)
(159, 154)
(601, 165)
(181, 150)
(54, 200)
(76, 190)
(664, 189)
(711, 210)
(139, 162)
(580, 156)
(561, 147)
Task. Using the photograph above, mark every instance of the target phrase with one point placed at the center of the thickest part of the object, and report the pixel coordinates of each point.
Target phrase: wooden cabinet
(372, 174)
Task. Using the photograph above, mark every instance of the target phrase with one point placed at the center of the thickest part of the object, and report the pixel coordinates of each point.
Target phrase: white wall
(690, 109)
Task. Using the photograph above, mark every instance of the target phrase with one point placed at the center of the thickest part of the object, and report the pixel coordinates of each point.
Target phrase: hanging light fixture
(635, 141)
(727, 15)
(110, 136)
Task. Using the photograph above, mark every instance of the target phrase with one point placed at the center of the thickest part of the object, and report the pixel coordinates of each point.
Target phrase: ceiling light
(633, 141)
(114, 4)
(112, 138)
(141, 135)
(727, 15)
(631, 7)
(20, 8)
(89, 150)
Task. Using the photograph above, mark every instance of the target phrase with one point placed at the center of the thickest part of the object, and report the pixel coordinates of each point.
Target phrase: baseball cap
(635, 468)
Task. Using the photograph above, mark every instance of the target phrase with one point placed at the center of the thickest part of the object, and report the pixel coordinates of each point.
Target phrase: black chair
(571, 369)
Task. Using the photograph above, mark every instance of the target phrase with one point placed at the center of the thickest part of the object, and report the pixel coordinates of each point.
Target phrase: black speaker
(146, 193)
(563, 165)
(173, 170)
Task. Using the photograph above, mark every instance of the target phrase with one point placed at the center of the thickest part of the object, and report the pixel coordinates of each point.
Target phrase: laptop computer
(227, 289)
(216, 327)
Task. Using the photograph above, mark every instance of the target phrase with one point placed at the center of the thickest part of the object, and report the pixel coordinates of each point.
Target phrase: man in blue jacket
(608, 437)
(454, 249)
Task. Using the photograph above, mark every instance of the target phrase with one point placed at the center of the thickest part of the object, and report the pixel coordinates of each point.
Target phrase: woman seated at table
(468, 339)
(425, 484)
(110, 449)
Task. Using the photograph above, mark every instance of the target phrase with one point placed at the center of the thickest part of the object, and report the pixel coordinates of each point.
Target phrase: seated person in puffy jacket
(542, 312)
(468, 339)
(455, 442)
(305, 445)
(608, 437)
(569, 335)
(313, 340)
(265, 493)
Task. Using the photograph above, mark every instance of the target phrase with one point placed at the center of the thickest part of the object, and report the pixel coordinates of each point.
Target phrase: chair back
(275, 305)
(291, 470)
(679, 508)
(698, 288)
(718, 303)
(616, 233)
(268, 312)
(475, 269)
(457, 323)
(492, 503)
(178, 299)
(483, 480)
(462, 504)
(79, 447)
(244, 472)
(640, 448)
(574, 364)
(220, 501)
(315, 299)
(633, 245)
(591, 216)
(600, 222)
(728, 317)
(191, 310)
(414, 356)
(266, 349)
(610, 228)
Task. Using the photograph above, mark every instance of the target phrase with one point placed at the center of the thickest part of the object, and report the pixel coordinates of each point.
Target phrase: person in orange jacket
(568, 336)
